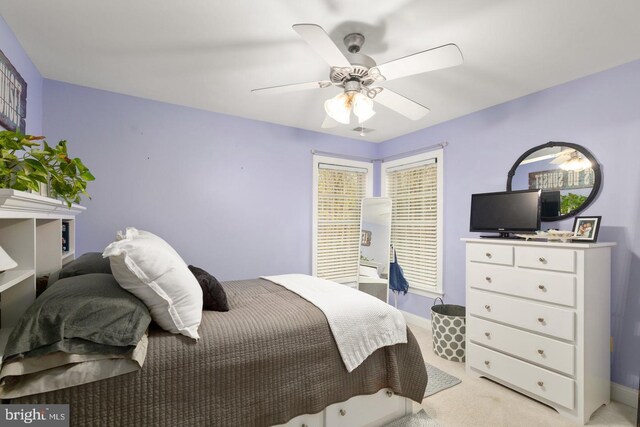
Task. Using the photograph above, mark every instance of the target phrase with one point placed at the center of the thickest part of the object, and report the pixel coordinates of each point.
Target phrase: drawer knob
(487, 334)
(487, 307)
(488, 279)
(541, 384)
(342, 412)
(486, 362)
(542, 260)
(389, 393)
(540, 352)
(541, 319)
(488, 255)
(541, 287)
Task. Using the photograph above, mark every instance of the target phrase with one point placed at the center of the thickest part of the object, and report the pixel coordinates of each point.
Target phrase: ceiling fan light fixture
(362, 107)
(339, 108)
(575, 163)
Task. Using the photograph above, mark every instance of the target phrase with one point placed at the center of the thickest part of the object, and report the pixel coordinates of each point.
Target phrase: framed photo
(365, 239)
(586, 228)
(13, 97)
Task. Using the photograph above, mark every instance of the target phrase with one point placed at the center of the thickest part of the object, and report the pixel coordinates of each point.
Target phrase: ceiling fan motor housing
(360, 65)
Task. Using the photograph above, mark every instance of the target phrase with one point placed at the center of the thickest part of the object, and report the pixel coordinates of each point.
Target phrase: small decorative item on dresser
(586, 228)
(448, 325)
(6, 263)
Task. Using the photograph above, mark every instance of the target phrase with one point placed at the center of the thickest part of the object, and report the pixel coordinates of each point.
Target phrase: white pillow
(134, 233)
(151, 269)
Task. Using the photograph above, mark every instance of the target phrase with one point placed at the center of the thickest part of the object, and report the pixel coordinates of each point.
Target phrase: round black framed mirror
(568, 175)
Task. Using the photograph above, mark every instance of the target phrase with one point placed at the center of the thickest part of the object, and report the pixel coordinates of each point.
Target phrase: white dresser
(538, 317)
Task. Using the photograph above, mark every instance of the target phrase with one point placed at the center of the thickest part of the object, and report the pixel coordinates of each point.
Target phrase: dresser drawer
(491, 254)
(546, 258)
(531, 347)
(557, 288)
(556, 322)
(539, 381)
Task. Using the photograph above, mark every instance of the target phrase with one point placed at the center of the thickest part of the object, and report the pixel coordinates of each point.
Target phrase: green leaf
(35, 164)
(87, 176)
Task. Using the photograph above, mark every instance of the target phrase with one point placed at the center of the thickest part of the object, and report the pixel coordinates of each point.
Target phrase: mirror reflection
(375, 232)
(567, 174)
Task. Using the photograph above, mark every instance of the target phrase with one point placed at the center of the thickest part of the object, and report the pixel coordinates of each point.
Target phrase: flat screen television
(506, 212)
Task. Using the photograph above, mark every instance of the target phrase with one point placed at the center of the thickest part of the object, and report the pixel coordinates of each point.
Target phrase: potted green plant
(571, 202)
(27, 161)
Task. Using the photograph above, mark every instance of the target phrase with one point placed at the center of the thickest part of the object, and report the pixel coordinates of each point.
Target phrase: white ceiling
(209, 54)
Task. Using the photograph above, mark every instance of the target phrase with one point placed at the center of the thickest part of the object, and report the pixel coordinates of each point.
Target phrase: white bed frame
(360, 411)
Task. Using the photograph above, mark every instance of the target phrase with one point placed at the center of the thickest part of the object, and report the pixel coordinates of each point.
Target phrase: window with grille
(414, 185)
(339, 187)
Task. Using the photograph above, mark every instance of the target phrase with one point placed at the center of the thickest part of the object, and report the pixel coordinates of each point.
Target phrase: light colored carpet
(438, 381)
(421, 419)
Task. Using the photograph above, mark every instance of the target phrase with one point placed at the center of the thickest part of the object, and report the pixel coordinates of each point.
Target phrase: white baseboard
(619, 393)
(414, 319)
(624, 394)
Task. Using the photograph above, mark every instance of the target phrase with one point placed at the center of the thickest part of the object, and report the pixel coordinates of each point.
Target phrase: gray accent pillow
(82, 314)
(90, 262)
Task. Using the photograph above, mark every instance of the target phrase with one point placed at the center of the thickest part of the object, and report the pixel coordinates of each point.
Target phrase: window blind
(413, 190)
(340, 193)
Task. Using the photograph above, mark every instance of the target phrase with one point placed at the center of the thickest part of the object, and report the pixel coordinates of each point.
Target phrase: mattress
(270, 358)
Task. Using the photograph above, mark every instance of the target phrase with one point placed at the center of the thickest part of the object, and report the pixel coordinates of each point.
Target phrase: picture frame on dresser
(586, 228)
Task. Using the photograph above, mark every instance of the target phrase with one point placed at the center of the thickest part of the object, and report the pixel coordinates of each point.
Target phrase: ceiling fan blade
(402, 105)
(293, 87)
(320, 41)
(328, 122)
(560, 160)
(437, 58)
(563, 156)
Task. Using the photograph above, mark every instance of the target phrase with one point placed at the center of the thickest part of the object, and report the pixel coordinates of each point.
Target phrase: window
(339, 187)
(414, 184)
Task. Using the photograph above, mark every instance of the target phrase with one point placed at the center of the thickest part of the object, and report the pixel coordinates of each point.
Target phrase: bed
(270, 358)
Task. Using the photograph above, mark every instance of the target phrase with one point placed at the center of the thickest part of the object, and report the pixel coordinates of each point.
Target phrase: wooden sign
(559, 179)
(13, 97)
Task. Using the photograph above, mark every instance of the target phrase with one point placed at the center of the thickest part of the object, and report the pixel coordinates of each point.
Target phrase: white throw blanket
(359, 322)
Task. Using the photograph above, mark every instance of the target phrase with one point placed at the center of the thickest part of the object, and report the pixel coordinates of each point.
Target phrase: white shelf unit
(31, 233)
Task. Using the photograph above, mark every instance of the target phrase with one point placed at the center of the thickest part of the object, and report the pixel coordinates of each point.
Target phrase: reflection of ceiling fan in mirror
(571, 160)
(359, 75)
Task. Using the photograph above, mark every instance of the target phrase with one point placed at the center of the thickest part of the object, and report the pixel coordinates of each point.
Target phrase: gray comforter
(268, 359)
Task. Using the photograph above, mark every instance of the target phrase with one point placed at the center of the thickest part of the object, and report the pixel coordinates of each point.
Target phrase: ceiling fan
(569, 159)
(359, 76)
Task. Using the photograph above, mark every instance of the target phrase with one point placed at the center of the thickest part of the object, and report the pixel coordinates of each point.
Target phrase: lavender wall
(232, 195)
(10, 46)
(600, 112)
